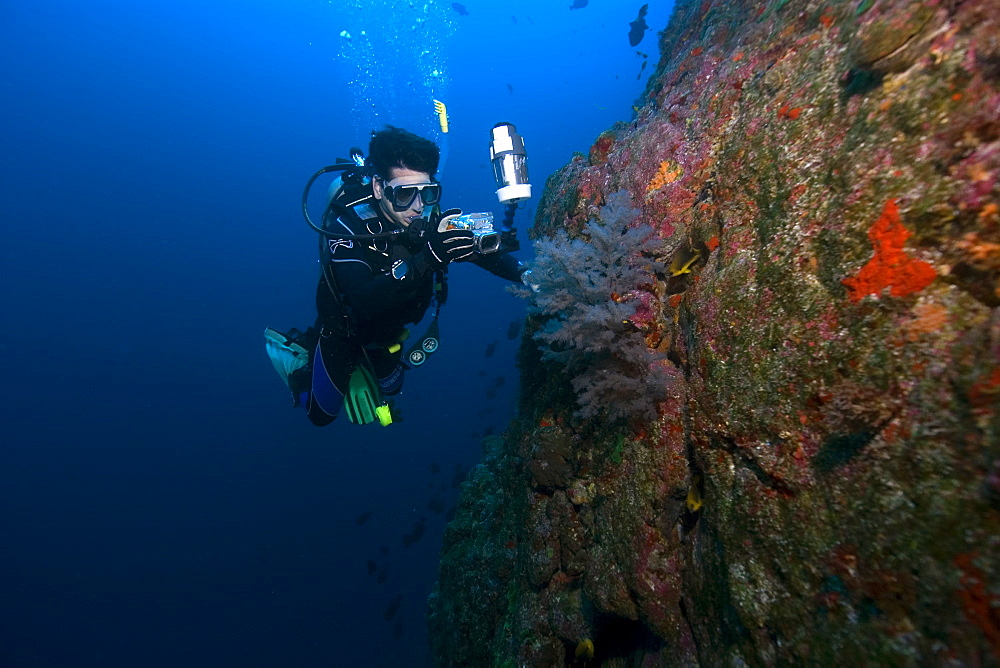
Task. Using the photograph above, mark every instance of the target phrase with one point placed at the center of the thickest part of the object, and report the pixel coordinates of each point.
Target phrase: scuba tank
(348, 175)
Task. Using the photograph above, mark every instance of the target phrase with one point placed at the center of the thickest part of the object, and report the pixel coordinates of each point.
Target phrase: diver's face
(401, 176)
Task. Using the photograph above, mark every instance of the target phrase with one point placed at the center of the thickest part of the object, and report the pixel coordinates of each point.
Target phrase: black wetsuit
(369, 291)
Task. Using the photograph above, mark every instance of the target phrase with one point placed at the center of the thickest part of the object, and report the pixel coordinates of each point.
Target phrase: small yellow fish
(694, 498)
(585, 649)
(683, 260)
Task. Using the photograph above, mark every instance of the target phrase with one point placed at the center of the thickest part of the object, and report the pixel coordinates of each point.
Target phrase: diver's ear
(377, 187)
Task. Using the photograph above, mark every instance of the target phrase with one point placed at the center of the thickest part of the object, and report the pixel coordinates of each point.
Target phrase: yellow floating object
(442, 113)
(384, 415)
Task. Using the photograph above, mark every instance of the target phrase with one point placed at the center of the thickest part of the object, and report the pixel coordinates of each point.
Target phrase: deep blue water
(160, 502)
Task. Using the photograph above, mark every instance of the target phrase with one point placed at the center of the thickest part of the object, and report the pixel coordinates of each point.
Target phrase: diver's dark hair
(396, 147)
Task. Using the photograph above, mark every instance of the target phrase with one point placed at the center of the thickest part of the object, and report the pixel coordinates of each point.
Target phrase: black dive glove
(444, 245)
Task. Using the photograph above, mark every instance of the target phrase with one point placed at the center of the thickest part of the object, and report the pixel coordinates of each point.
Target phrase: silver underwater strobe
(510, 164)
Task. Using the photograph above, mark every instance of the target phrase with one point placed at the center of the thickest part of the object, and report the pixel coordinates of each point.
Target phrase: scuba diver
(385, 248)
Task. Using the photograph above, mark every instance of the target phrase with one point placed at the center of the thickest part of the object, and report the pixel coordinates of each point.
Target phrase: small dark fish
(491, 393)
(491, 348)
(514, 19)
(499, 381)
(384, 550)
(382, 574)
(362, 518)
(462, 11)
(436, 505)
(393, 608)
(644, 63)
(510, 89)
(579, 4)
(418, 531)
(397, 629)
(513, 328)
(372, 566)
(482, 372)
(638, 27)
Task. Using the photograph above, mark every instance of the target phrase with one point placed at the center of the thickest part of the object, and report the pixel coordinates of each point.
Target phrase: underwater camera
(485, 239)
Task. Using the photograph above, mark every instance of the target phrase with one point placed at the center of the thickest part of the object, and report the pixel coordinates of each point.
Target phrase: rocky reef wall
(821, 481)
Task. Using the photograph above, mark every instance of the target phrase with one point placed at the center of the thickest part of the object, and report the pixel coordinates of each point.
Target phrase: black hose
(339, 167)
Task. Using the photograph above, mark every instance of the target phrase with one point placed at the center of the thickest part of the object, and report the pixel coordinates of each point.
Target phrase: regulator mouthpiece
(510, 164)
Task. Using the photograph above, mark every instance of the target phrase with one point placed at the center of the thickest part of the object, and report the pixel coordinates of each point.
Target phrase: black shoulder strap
(355, 200)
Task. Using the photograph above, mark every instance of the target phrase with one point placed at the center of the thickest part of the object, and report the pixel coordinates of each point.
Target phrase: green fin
(364, 403)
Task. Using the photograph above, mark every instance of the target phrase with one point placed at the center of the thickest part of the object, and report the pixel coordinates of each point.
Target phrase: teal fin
(286, 355)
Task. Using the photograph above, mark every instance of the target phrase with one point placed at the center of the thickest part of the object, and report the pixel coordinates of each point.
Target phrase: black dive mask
(401, 197)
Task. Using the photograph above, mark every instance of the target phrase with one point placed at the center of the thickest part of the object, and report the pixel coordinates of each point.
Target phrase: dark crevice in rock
(765, 478)
(977, 283)
(690, 627)
(712, 614)
(840, 448)
(707, 192)
(686, 326)
(860, 81)
(619, 638)
(689, 516)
